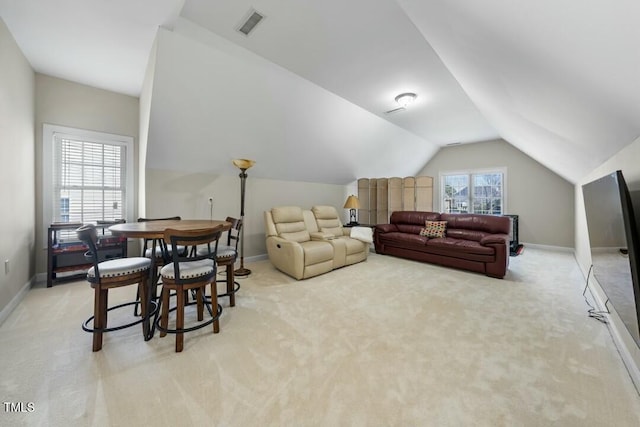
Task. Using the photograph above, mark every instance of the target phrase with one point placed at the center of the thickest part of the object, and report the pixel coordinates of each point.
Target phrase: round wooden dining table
(154, 230)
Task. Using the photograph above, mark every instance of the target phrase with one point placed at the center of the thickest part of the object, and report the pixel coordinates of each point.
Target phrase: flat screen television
(613, 217)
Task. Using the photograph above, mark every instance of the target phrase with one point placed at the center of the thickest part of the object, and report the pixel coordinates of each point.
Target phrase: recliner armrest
(320, 236)
(286, 256)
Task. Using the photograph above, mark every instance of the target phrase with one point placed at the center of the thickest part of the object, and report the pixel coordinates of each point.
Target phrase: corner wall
(543, 199)
(17, 162)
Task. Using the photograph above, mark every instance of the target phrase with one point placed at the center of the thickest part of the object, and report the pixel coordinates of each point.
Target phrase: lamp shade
(352, 203)
(243, 164)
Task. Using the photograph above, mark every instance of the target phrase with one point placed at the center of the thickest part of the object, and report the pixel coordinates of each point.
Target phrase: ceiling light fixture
(406, 99)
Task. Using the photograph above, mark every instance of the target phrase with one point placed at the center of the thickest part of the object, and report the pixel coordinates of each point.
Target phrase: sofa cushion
(316, 252)
(290, 224)
(462, 234)
(434, 229)
(328, 220)
(492, 224)
(412, 221)
(459, 245)
(403, 239)
(413, 217)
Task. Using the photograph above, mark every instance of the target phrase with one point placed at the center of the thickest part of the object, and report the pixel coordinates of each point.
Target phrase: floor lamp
(243, 165)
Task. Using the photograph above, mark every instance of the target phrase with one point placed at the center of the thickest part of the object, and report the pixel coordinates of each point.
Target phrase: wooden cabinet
(380, 197)
(65, 253)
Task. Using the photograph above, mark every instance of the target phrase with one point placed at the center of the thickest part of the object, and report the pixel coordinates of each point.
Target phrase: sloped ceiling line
(540, 76)
(225, 102)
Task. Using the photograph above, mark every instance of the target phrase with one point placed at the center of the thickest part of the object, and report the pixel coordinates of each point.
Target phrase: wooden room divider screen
(379, 197)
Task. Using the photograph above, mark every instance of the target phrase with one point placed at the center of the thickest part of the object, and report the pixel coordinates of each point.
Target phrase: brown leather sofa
(478, 243)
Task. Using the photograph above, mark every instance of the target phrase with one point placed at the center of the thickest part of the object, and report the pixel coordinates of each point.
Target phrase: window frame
(470, 172)
(49, 133)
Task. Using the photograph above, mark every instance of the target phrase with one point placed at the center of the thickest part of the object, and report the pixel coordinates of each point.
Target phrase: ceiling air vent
(395, 110)
(249, 24)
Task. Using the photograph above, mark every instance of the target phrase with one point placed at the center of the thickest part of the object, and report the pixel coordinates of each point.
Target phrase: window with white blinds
(87, 176)
(88, 180)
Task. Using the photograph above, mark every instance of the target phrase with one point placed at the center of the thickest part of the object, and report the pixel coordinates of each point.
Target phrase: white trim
(48, 133)
(15, 301)
(256, 258)
(547, 247)
(613, 326)
(500, 169)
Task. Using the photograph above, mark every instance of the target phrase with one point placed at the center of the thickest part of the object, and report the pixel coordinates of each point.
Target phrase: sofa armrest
(386, 228)
(321, 236)
(500, 242)
(493, 239)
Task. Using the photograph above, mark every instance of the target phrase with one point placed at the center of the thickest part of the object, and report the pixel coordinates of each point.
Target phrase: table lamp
(352, 204)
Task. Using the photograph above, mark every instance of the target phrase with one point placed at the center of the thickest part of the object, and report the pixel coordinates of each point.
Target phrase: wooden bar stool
(226, 256)
(110, 274)
(190, 272)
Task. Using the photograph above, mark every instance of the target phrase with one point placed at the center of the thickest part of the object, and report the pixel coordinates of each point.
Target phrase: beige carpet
(388, 342)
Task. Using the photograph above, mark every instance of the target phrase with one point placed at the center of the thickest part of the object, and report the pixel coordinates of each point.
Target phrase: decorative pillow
(434, 229)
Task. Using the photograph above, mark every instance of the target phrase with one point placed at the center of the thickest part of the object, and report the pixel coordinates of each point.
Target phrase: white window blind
(88, 180)
(87, 177)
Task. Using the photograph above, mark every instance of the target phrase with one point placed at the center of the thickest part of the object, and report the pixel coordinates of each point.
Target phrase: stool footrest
(87, 328)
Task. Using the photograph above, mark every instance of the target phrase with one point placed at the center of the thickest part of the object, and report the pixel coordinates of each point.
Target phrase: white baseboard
(257, 258)
(614, 325)
(6, 311)
(547, 247)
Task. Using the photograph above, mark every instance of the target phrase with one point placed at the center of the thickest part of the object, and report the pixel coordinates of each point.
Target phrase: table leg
(152, 295)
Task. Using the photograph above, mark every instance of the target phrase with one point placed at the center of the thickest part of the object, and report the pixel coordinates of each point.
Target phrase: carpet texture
(387, 342)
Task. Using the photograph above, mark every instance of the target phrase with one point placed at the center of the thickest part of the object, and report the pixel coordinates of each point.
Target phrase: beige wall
(626, 161)
(17, 216)
(172, 193)
(543, 200)
(64, 103)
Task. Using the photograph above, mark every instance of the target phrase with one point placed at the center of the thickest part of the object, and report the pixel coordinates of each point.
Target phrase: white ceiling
(558, 80)
(100, 43)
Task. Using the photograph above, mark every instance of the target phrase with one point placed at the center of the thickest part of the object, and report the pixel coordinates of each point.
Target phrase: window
(481, 192)
(87, 176)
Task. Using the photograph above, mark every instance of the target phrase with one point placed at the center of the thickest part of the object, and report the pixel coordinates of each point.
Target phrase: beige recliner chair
(296, 245)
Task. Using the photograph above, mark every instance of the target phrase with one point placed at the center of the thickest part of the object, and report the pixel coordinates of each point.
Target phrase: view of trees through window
(480, 193)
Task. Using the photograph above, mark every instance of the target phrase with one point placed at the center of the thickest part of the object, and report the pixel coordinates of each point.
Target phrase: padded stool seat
(188, 270)
(120, 267)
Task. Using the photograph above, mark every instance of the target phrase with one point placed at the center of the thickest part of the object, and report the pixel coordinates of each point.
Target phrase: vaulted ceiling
(305, 94)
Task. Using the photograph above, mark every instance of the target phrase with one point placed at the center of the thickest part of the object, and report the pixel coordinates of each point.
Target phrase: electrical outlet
(6, 266)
